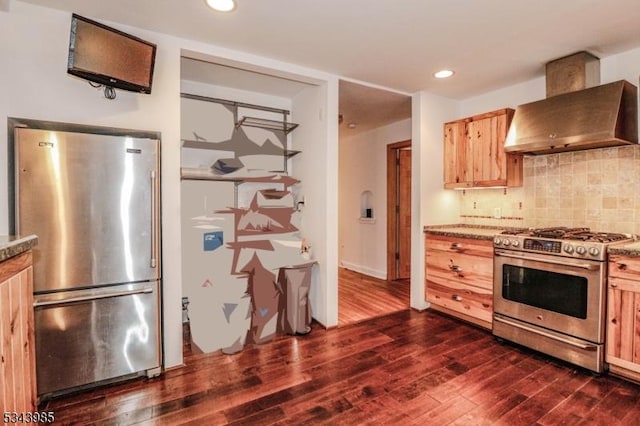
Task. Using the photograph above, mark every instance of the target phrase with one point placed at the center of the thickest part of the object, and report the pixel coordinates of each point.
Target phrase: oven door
(565, 295)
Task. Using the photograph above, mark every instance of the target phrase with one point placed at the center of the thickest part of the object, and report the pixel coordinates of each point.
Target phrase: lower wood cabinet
(459, 277)
(623, 316)
(17, 347)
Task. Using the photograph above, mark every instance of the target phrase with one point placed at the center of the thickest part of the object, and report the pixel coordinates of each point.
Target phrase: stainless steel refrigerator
(91, 195)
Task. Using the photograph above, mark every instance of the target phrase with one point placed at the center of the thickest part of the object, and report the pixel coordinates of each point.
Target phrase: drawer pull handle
(614, 285)
(622, 266)
(455, 268)
(456, 298)
(456, 246)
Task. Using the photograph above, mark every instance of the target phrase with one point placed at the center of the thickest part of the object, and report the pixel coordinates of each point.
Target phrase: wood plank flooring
(361, 297)
(406, 368)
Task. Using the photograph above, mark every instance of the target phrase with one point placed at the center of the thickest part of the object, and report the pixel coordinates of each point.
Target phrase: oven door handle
(584, 347)
(587, 266)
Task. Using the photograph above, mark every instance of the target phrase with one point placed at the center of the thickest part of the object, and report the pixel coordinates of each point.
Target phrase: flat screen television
(109, 57)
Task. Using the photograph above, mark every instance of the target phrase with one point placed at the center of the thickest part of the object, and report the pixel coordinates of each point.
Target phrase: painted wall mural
(246, 268)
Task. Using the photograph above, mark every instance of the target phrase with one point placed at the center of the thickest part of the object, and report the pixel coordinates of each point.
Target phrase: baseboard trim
(382, 275)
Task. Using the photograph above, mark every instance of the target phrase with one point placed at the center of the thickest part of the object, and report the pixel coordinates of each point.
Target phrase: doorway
(370, 119)
(399, 211)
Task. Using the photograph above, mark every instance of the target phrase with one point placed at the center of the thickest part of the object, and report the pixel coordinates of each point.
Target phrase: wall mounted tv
(109, 57)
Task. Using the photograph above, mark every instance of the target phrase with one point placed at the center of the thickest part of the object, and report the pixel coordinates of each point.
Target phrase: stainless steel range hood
(596, 117)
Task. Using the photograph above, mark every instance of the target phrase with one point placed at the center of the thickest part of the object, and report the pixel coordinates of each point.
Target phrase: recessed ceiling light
(443, 74)
(221, 5)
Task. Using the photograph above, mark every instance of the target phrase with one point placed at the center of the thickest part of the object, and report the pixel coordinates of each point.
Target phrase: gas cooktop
(560, 241)
(564, 233)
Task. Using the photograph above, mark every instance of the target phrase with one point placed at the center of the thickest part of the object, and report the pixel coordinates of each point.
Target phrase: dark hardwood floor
(408, 368)
(361, 297)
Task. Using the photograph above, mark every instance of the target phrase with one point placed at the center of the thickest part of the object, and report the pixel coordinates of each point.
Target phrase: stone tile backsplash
(598, 188)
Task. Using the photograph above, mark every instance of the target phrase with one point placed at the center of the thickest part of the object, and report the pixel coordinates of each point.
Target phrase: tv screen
(109, 57)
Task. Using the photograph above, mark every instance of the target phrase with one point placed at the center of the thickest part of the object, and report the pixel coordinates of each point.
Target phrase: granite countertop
(477, 232)
(11, 246)
(631, 248)
(480, 232)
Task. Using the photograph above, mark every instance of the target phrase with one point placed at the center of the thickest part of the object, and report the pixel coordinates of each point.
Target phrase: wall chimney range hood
(594, 117)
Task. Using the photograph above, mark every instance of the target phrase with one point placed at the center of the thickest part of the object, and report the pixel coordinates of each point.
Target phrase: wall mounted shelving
(273, 125)
(263, 123)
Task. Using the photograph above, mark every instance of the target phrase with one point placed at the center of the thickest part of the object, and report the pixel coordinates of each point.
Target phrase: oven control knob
(581, 250)
(594, 251)
(515, 243)
(505, 242)
(568, 248)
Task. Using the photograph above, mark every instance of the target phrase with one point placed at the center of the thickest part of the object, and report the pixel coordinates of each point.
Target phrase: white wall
(35, 85)
(623, 66)
(431, 204)
(508, 97)
(363, 167)
(316, 167)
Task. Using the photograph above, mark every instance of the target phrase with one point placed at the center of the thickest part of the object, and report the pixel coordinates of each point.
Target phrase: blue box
(212, 240)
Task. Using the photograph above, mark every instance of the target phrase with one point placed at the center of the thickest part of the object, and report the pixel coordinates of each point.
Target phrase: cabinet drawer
(624, 267)
(471, 247)
(458, 268)
(472, 301)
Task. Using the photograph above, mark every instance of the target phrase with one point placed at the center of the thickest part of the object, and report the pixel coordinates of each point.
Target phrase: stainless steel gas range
(550, 291)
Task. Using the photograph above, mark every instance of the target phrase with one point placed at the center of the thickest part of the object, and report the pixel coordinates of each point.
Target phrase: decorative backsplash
(597, 188)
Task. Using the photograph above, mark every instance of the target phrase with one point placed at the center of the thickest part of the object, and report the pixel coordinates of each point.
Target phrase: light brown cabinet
(17, 347)
(459, 277)
(623, 316)
(474, 153)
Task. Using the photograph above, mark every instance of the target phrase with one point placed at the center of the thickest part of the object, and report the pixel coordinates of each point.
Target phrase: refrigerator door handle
(61, 302)
(154, 218)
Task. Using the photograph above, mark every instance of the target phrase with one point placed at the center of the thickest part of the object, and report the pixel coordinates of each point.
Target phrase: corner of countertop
(11, 246)
(630, 248)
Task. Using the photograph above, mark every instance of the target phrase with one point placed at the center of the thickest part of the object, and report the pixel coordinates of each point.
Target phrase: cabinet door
(490, 160)
(474, 153)
(458, 158)
(623, 324)
(17, 366)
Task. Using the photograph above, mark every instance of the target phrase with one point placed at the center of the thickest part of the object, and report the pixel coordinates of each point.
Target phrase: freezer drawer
(87, 337)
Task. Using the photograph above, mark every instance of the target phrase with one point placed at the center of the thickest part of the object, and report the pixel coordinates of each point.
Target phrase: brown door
(404, 213)
(399, 210)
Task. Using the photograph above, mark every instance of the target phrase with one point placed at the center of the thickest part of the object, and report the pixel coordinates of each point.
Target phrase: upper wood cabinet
(474, 153)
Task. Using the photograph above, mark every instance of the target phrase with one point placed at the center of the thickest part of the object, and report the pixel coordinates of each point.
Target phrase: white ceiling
(396, 44)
